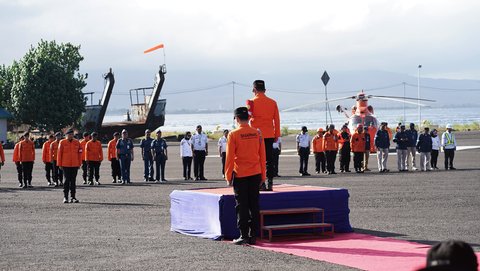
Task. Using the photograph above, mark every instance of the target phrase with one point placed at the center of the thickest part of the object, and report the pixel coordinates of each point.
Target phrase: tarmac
(127, 227)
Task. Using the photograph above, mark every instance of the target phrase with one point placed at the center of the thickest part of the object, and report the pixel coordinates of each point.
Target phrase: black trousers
(331, 156)
(344, 159)
(18, 165)
(303, 153)
(93, 170)
(275, 158)
(70, 181)
(224, 157)
(198, 163)
(320, 162)
(269, 157)
(115, 165)
(48, 171)
(449, 155)
(434, 158)
(187, 166)
(27, 168)
(247, 204)
(160, 167)
(84, 170)
(358, 160)
(57, 173)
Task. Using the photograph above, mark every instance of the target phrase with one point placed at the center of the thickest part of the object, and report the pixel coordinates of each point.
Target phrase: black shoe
(84, 182)
(252, 240)
(185, 178)
(114, 181)
(333, 172)
(197, 179)
(240, 241)
(306, 174)
(97, 183)
(263, 187)
(278, 176)
(317, 172)
(74, 200)
(348, 170)
(203, 179)
(90, 183)
(25, 186)
(20, 185)
(190, 178)
(65, 200)
(452, 168)
(164, 180)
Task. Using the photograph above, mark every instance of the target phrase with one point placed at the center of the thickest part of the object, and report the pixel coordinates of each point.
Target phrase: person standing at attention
(94, 156)
(112, 157)
(319, 152)
(160, 156)
(125, 156)
(330, 145)
(449, 145)
(424, 147)
(200, 152)
(57, 171)
(382, 142)
(245, 170)
(358, 148)
(47, 159)
(435, 148)
(186, 153)
(27, 158)
(344, 149)
(264, 115)
(412, 136)
(222, 150)
(16, 160)
(83, 143)
(2, 158)
(303, 150)
(146, 146)
(277, 150)
(401, 139)
(69, 160)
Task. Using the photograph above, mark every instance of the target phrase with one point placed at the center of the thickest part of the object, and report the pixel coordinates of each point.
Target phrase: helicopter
(362, 112)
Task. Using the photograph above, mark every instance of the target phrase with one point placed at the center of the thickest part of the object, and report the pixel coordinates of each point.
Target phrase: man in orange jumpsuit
(16, 160)
(245, 170)
(94, 157)
(47, 159)
(112, 157)
(69, 160)
(319, 152)
(264, 115)
(358, 148)
(83, 143)
(330, 145)
(27, 158)
(57, 171)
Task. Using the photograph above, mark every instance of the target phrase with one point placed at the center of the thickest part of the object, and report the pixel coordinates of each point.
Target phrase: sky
(258, 38)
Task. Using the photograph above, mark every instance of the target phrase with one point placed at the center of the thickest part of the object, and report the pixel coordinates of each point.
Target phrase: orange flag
(153, 48)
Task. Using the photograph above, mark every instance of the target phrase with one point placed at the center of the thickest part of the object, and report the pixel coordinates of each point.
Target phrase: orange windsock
(153, 48)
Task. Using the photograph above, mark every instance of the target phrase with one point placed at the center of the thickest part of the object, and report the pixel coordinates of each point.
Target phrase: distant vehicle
(148, 112)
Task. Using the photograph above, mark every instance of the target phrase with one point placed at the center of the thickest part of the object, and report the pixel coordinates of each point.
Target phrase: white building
(4, 116)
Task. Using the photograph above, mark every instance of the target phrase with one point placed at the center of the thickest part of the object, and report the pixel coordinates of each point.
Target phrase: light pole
(419, 108)
(404, 117)
(233, 101)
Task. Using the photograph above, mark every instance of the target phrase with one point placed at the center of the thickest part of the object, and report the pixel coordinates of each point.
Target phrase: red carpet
(357, 250)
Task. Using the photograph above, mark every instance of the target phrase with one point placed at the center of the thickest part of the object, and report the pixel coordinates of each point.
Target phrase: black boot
(270, 185)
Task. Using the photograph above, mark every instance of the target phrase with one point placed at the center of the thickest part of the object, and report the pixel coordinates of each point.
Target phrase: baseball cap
(69, 131)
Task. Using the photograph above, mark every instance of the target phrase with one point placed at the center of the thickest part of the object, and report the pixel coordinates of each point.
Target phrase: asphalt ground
(118, 227)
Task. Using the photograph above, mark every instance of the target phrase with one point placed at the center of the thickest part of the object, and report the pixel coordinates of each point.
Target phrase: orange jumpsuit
(27, 157)
(47, 160)
(330, 145)
(264, 115)
(70, 159)
(358, 149)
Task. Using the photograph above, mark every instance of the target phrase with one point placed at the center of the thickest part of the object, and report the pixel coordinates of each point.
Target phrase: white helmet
(449, 126)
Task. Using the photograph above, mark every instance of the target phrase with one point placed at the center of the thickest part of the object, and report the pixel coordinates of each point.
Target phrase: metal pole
(404, 117)
(233, 101)
(419, 109)
(326, 106)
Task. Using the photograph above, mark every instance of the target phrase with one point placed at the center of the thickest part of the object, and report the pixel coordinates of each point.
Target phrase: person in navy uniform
(146, 144)
(160, 156)
(401, 138)
(125, 155)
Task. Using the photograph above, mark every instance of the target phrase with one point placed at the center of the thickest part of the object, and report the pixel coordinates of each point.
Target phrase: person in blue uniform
(146, 144)
(125, 155)
(160, 156)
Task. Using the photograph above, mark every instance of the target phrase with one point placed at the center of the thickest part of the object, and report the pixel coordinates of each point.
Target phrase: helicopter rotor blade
(315, 103)
(399, 100)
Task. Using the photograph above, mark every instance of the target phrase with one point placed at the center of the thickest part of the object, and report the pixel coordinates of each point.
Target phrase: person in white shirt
(277, 150)
(303, 150)
(200, 152)
(222, 149)
(449, 145)
(435, 148)
(186, 154)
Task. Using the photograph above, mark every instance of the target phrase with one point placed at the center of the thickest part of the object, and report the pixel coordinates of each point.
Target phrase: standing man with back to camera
(69, 160)
(264, 115)
(245, 171)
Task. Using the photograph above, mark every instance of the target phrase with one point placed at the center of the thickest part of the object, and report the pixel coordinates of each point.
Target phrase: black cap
(412, 124)
(69, 131)
(85, 134)
(58, 134)
(94, 134)
(304, 128)
(241, 113)
(456, 255)
(116, 134)
(259, 85)
(26, 134)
